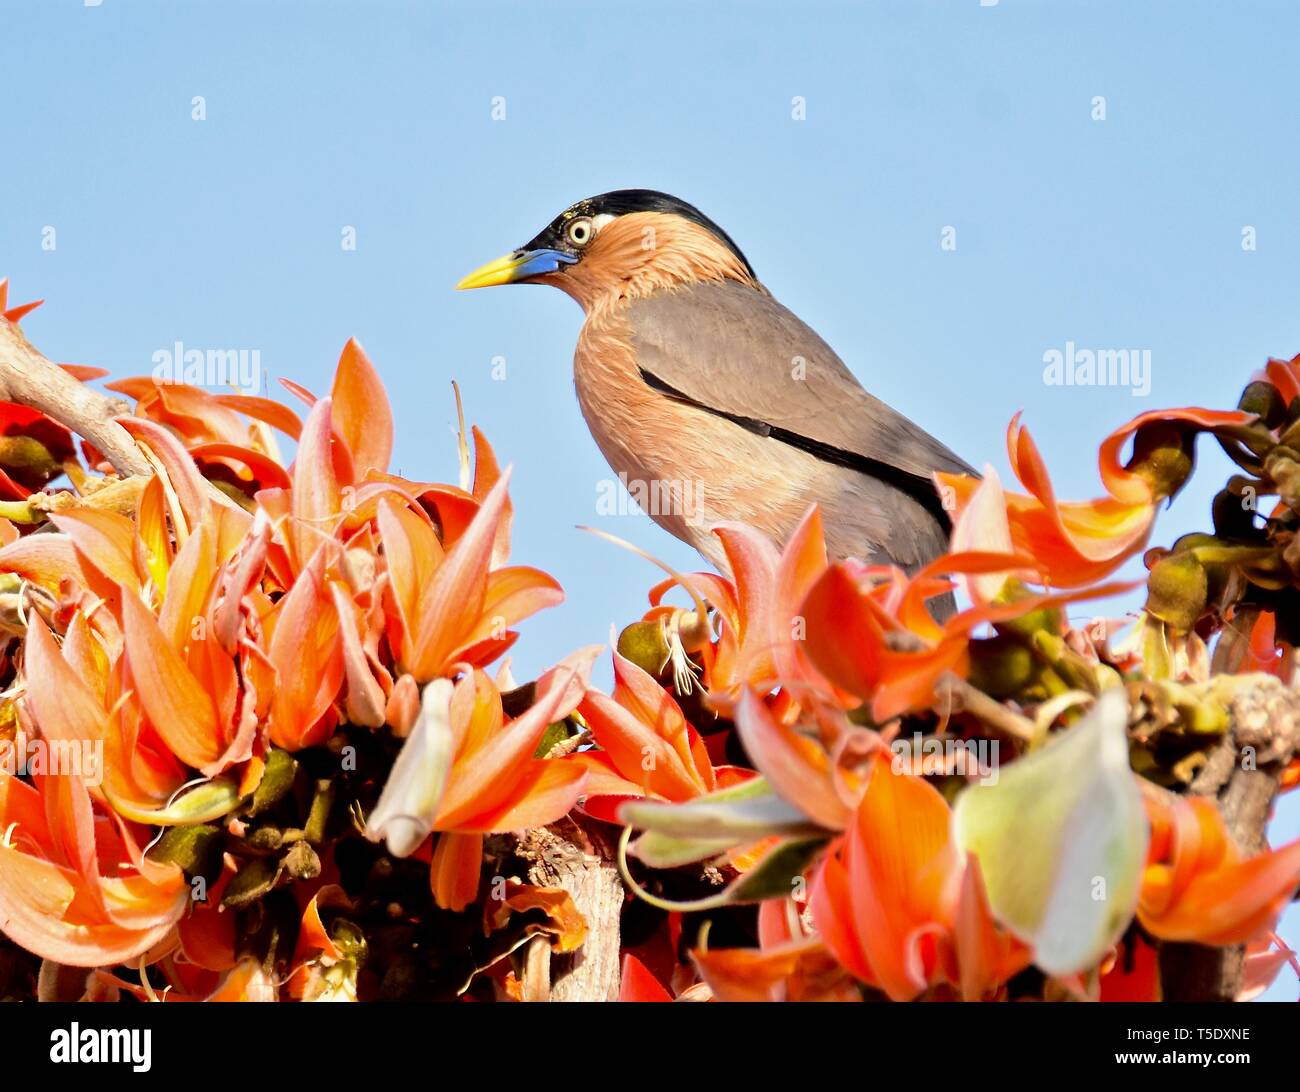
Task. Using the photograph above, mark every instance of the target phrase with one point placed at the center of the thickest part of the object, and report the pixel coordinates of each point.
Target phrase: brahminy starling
(693, 378)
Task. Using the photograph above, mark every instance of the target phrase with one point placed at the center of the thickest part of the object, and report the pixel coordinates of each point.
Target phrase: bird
(713, 402)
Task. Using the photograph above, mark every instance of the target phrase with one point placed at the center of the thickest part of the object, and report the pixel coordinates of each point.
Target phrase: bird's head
(621, 245)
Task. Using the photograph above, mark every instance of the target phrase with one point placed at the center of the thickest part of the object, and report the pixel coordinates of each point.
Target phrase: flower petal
(361, 412)
(1061, 838)
(177, 706)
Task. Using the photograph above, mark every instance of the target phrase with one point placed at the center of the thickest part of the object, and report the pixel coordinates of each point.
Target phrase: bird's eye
(580, 231)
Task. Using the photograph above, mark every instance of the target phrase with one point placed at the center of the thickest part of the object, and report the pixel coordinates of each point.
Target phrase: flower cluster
(296, 777)
(889, 856)
(241, 646)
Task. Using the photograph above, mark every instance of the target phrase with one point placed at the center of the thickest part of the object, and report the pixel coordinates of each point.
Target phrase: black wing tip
(921, 490)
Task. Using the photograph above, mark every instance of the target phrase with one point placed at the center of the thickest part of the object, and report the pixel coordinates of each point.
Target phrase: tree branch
(1243, 774)
(28, 378)
(573, 854)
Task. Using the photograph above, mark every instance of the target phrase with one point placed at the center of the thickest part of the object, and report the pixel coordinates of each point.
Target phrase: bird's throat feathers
(641, 253)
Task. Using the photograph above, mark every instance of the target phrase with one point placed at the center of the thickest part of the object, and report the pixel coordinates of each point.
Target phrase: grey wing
(739, 353)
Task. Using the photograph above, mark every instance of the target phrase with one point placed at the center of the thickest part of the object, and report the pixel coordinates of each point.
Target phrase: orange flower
(761, 628)
(647, 747)
(75, 887)
(788, 965)
(304, 628)
(73, 695)
(1266, 652)
(451, 607)
(247, 456)
(211, 426)
(34, 449)
(899, 908)
(1283, 374)
(467, 771)
(870, 633)
(1076, 542)
(143, 677)
(495, 782)
(636, 983)
(1197, 886)
(770, 588)
(798, 766)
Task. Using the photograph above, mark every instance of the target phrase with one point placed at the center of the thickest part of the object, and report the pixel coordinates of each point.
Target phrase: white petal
(409, 803)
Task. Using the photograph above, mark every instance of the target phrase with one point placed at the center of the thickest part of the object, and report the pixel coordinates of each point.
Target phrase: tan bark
(576, 856)
(28, 378)
(1243, 775)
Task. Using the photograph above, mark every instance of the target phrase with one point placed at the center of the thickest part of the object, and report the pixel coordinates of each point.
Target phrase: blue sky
(226, 233)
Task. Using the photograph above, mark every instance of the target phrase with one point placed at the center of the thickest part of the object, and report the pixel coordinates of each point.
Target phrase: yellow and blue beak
(517, 266)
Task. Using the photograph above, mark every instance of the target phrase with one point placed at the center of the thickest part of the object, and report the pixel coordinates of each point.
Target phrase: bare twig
(966, 698)
(28, 378)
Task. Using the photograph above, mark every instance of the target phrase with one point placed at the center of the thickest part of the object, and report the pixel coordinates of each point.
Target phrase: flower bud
(409, 803)
(1177, 591)
(1265, 401)
(645, 645)
(1163, 456)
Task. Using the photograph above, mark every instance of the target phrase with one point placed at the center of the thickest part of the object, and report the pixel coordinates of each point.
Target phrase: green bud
(349, 939)
(1193, 540)
(301, 862)
(255, 879)
(1001, 666)
(555, 733)
(201, 804)
(265, 839)
(197, 849)
(1034, 621)
(1265, 401)
(321, 805)
(276, 780)
(1177, 590)
(1234, 515)
(1163, 456)
(643, 643)
(30, 456)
